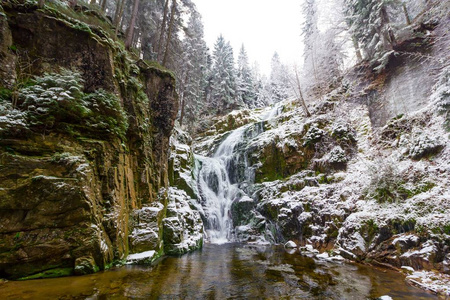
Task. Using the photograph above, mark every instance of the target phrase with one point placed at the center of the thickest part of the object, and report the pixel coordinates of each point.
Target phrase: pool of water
(228, 271)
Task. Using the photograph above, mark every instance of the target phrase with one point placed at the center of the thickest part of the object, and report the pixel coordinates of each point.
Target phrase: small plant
(54, 98)
(337, 155)
(313, 135)
(385, 182)
(342, 132)
(107, 114)
(370, 228)
(423, 146)
(59, 99)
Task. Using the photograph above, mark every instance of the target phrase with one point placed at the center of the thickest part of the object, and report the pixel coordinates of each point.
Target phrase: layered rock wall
(68, 190)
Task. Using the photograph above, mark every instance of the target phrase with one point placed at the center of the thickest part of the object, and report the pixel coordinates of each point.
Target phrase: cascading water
(223, 177)
(217, 190)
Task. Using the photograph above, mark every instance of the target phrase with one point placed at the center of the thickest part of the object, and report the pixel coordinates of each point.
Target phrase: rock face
(183, 226)
(366, 179)
(74, 191)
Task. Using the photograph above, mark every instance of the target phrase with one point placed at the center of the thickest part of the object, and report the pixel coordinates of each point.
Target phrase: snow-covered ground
(369, 193)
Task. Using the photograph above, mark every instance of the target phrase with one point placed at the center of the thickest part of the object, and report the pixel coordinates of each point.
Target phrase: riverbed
(227, 271)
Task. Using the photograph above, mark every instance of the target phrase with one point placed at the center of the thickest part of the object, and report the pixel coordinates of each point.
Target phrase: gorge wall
(84, 145)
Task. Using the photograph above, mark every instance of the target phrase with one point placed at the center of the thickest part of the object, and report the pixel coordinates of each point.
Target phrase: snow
(428, 248)
(325, 256)
(290, 244)
(406, 238)
(139, 257)
(347, 203)
(408, 269)
(437, 283)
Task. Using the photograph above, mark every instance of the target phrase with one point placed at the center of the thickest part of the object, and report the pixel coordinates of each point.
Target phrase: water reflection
(228, 271)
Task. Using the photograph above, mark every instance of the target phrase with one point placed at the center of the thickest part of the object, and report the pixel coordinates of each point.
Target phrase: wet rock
(146, 233)
(85, 265)
(67, 192)
(406, 242)
(242, 210)
(183, 226)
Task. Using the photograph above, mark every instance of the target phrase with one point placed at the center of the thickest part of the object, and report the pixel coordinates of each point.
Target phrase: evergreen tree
(194, 71)
(279, 82)
(245, 88)
(323, 55)
(223, 78)
(370, 25)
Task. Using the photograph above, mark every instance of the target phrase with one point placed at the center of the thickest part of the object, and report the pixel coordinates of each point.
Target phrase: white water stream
(219, 179)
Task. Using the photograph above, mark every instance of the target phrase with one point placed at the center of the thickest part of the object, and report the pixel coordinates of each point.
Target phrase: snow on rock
(183, 226)
(336, 181)
(141, 258)
(385, 297)
(433, 281)
(146, 234)
(290, 244)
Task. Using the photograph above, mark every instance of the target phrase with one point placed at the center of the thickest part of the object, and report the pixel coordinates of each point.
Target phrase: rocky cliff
(84, 146)
(366, 176)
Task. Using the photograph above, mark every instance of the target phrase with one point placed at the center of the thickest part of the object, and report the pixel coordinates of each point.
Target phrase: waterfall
(222, 178)
(218, 190)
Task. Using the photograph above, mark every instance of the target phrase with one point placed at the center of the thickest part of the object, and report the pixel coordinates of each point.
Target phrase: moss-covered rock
(83, 145)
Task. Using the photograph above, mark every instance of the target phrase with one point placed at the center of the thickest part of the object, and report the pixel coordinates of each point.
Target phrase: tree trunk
(183, 102)
(118, 15)
(169, 34)
(162, 29)
(104, 2)
(301, 99)
(387, 33)
(93, 2)
(405, 11)
(119, 4)
(357, 50)
(41, 3)
(73, 3)
(130, 31)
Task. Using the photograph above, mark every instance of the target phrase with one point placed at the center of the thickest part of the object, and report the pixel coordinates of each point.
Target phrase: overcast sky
(263, 26)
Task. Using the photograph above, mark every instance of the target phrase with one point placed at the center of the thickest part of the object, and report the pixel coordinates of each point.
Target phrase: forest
(141, 159)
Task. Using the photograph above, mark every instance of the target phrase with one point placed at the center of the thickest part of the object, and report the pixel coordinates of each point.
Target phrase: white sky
(263, 26)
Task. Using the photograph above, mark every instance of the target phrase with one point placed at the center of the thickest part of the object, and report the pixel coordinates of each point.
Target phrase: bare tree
(103, 5)
(405, 11)
(162, 29)
(130, 31)
(300, 94)
(169, 34)
(357, 49)
(120, 6)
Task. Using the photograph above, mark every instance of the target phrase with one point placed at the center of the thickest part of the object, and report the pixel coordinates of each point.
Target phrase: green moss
(273, 165)
(58, 272)
(402, 226)
(446, 229)
(5, 94)
(154, 65)
(369, 228)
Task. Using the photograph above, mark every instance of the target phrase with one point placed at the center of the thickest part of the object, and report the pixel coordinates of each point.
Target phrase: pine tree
(279, 87)
(370, 25)
(245, 88)
(323, 55)
(194, 71)
(223, 82)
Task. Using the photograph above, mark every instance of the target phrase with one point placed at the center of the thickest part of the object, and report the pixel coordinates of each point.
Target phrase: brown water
(230, 271)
